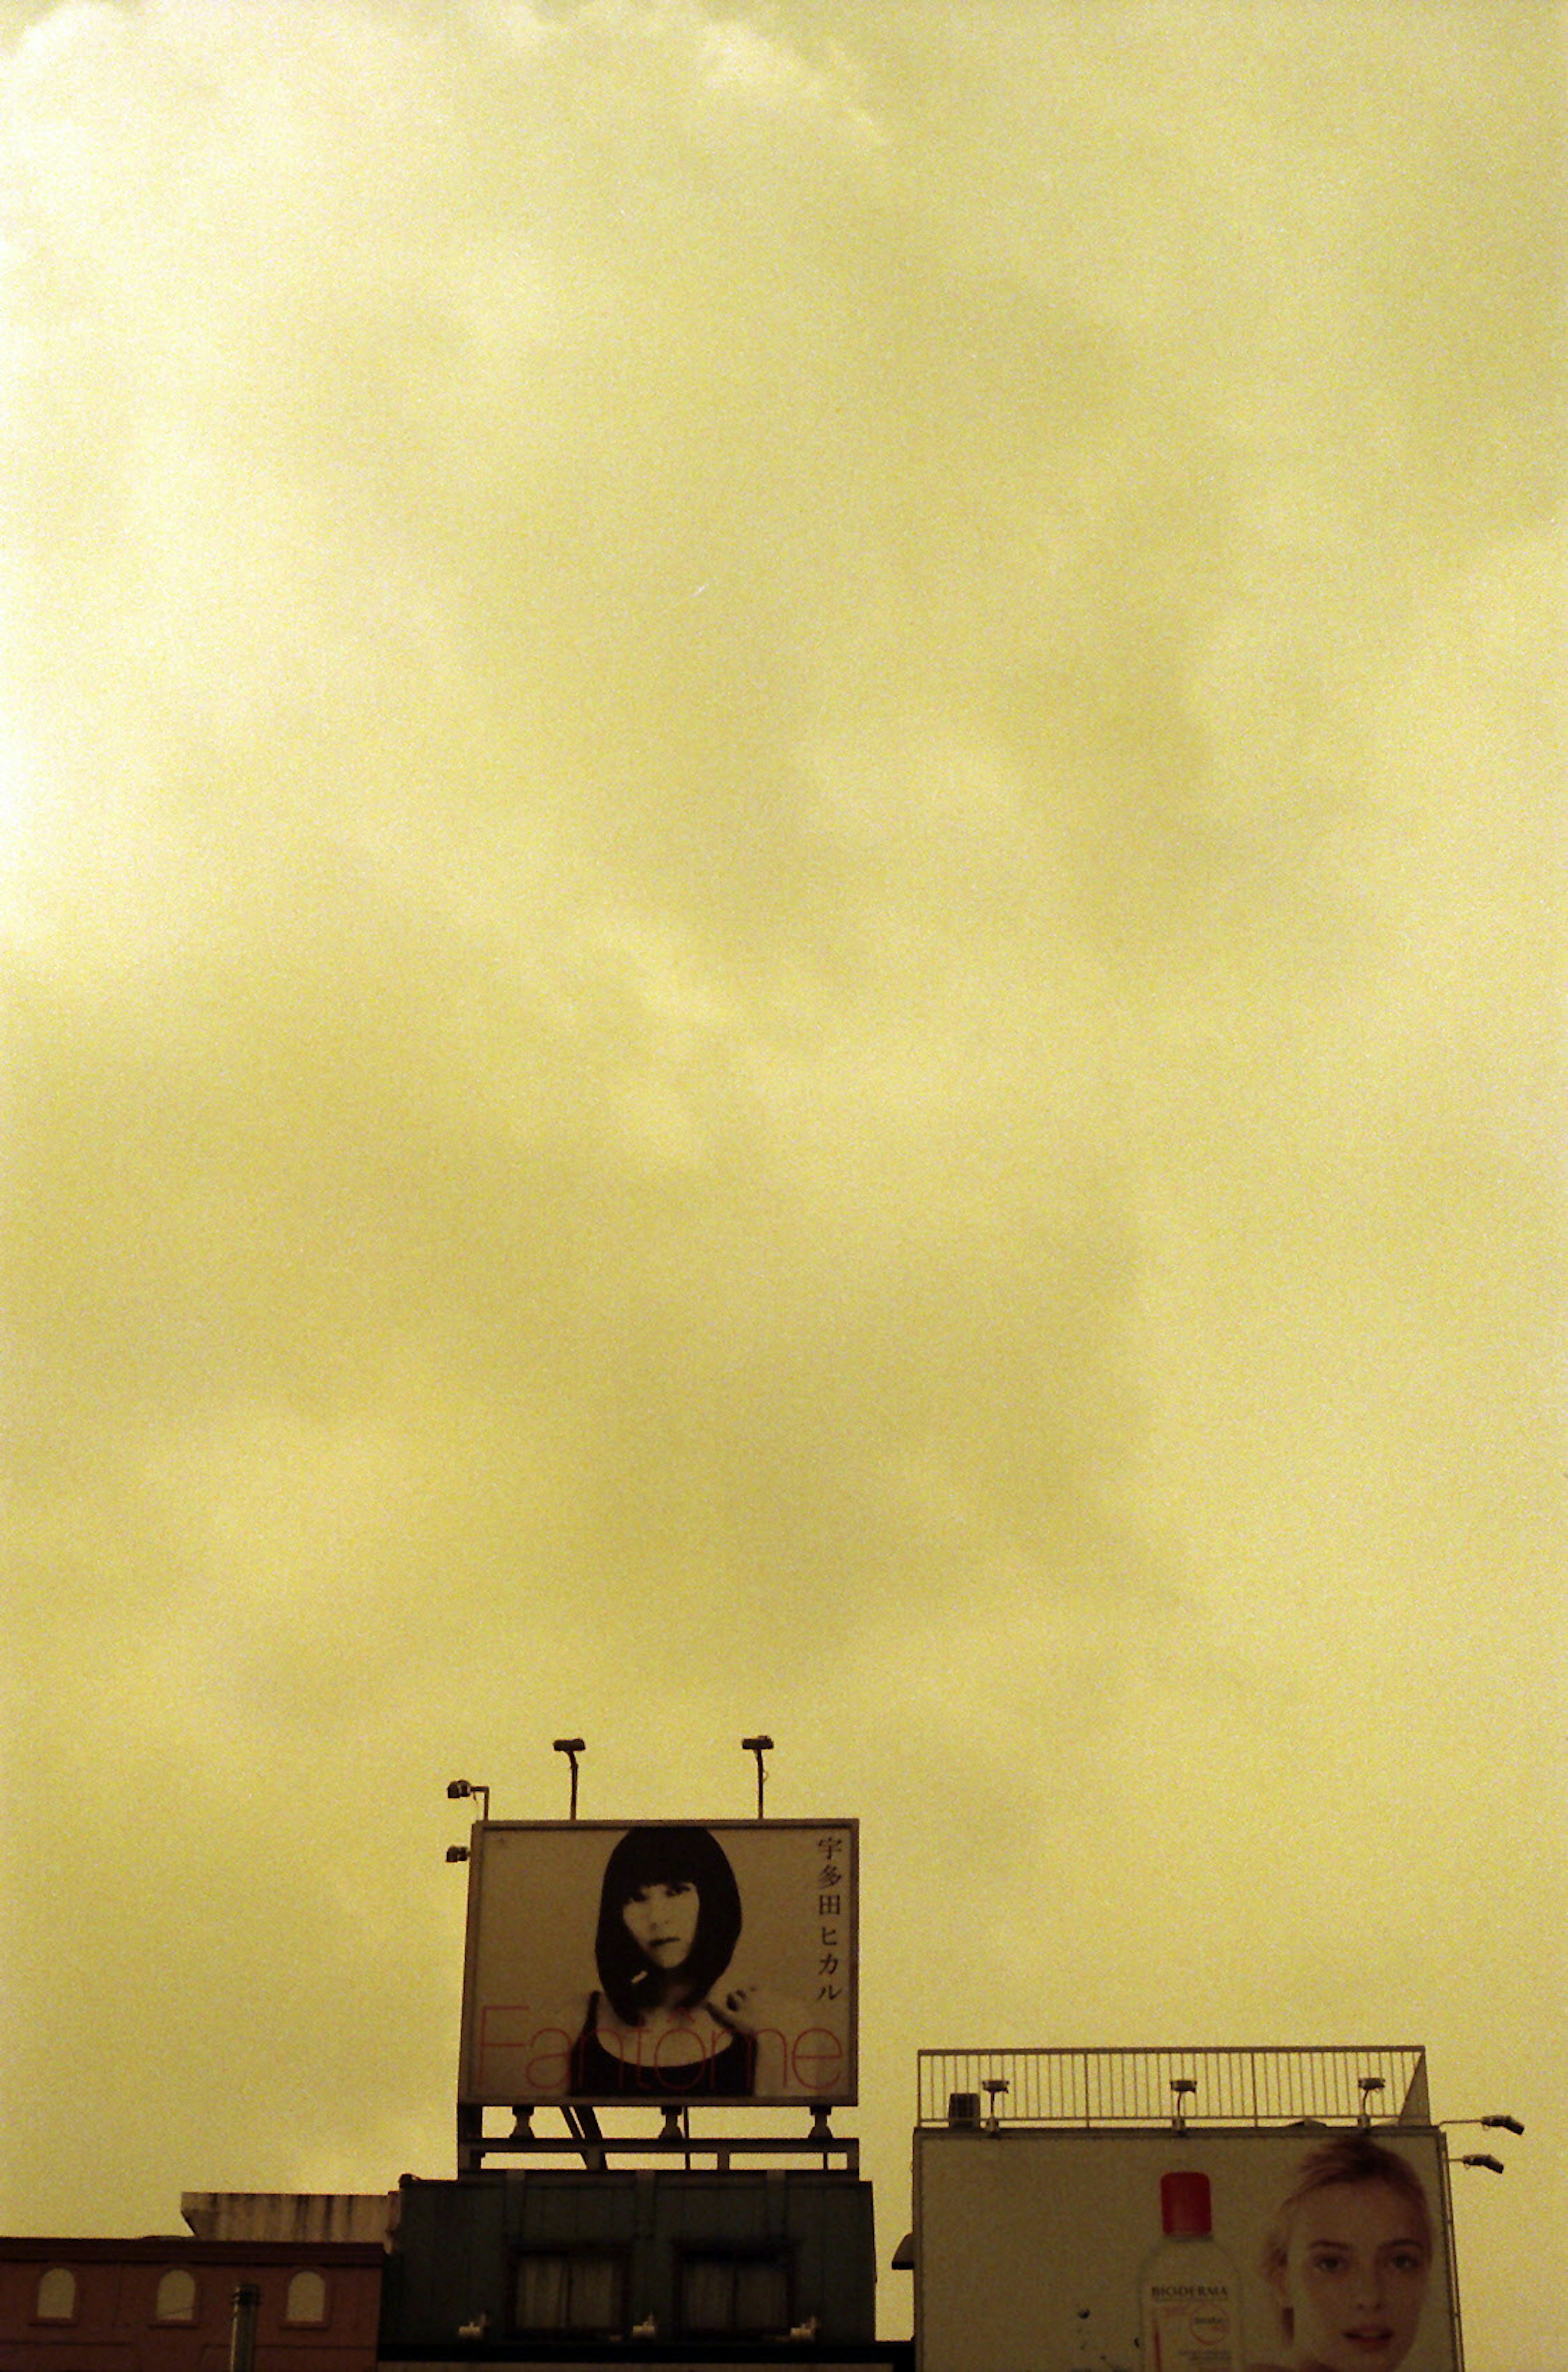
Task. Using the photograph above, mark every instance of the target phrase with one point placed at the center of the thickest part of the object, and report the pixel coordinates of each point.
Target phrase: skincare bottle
(1189, 2292)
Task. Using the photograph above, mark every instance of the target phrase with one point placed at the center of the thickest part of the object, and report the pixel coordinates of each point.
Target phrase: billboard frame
(991, 2142)
(476, 2093)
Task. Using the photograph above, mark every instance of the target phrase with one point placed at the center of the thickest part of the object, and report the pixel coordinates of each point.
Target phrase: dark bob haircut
(669, 1857)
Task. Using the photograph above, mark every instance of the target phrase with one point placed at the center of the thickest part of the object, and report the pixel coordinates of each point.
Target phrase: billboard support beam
(596, 2148)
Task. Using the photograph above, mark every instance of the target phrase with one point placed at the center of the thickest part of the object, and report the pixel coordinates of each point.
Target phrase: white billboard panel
(1301, 2249)
(672, 1961)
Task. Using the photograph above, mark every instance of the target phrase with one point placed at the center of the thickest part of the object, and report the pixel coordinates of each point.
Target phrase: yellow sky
(781, 949)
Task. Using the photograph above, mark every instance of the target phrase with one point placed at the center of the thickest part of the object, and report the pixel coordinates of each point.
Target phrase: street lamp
(1498, 2121)
(758, 1746)
(571, 1748)
(456, 1789)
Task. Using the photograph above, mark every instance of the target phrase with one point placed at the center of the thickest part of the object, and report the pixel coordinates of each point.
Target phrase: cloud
(775, 954)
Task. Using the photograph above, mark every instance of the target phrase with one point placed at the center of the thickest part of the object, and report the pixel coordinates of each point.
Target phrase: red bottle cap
(1184, 2206)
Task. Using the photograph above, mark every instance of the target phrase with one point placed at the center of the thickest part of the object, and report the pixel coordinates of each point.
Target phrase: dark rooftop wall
(455, 2244)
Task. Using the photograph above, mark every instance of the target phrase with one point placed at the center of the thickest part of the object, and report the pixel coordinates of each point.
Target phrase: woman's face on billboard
(661, 1919)
(1354, 2278)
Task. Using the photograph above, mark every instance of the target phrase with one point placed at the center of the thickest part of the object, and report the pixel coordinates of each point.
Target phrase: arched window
(176, 2296)
(57, 2294)
(307, 2299)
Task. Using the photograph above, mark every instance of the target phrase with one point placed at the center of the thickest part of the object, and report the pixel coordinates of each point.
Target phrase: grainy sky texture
(782, 949)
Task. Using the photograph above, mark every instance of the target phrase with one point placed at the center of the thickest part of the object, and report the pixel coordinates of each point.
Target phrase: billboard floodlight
(456, 1787)
(1482, 2157)
(1182, 2089)
(571, 1748)
(1370, 2087)
(758, 1746)
(1509, 2125)
(457, 1853)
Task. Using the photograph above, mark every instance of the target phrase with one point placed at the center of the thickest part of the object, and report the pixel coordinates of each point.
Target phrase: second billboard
(1306, 2248)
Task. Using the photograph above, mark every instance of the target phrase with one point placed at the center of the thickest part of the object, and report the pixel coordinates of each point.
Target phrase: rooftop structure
(1237, 2085)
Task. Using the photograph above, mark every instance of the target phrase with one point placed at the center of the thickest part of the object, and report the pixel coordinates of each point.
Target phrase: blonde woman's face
(1354, 2278)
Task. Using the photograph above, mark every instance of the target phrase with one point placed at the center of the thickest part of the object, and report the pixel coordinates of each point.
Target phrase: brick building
(166, 2304)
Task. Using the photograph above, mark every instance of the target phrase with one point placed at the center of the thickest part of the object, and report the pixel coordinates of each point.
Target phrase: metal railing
(1263, 2086)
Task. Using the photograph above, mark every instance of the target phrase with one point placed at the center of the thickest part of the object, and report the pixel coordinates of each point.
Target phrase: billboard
(1306, 2248)
(671, 1961)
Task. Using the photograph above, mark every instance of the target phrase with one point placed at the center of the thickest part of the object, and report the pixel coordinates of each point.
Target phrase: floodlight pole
(758, 1746)
(571, 1748)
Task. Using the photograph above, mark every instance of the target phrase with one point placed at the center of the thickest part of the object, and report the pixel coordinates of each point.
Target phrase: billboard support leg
(471, 2137)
